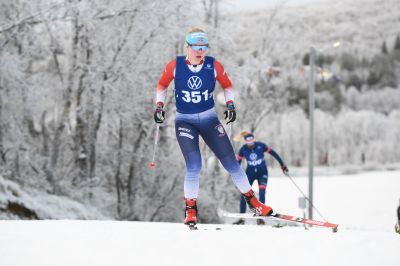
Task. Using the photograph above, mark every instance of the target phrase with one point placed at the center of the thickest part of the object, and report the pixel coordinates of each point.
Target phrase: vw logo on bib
(253, 156)
(194, 83)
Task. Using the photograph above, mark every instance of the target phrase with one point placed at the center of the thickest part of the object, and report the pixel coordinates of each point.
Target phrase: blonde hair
(195, 29)
(241, 135)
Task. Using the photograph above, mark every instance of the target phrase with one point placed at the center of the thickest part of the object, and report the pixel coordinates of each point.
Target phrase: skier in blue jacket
(195, 75)
(253, 151)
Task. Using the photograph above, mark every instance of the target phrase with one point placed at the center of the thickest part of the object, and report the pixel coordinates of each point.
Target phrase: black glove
(284, 168)
(230, 113)
(159, 114)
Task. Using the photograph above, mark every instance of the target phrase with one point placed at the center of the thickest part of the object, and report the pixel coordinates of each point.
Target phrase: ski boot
(397, 227)
(190, 213)
(255, 205)
(239, 222)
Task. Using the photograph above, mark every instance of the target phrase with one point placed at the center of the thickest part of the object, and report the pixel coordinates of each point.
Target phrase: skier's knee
(230, 164)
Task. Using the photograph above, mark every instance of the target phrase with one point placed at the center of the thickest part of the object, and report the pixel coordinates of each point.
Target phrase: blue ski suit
(256, 167)
(196, 116)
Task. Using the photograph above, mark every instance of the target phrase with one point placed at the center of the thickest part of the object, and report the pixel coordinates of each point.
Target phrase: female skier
(195, 75)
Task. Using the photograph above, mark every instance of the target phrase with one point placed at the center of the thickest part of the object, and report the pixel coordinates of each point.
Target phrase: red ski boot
(190, 212)
(255, 205)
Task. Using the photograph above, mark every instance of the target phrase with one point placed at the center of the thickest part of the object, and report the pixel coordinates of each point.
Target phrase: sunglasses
(199, 47)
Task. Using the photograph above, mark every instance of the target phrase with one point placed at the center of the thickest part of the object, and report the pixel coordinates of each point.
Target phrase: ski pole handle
(152, 163)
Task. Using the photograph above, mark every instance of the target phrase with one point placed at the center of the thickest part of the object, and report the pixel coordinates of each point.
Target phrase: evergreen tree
(397, 43)
(306, 59)
(384, 48)
(348, 62)
(396, 50)
(373, 78)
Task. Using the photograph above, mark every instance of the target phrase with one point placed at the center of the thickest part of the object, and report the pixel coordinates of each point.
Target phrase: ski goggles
(199, 47)
(197, 40)
(249, 139)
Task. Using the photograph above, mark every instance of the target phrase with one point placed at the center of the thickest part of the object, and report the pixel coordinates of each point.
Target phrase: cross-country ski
(283, 217)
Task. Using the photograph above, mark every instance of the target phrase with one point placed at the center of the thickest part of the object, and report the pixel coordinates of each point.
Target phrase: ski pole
(312, 205)
(152, 163)
(230, 131)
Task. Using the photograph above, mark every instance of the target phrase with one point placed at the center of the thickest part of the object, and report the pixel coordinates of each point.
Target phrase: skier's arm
(161, 92)
(163, 83)
(222, 77)
(278, 158)
(240, 156)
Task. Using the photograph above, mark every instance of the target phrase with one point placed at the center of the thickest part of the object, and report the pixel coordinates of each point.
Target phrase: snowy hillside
(364, 205)
(286, 32)
(269, 67)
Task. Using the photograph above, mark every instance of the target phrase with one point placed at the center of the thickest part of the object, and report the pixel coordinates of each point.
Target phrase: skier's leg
(261, 193)
(262, 181)
(188, 139)
(242, 204)
(215, 137)
(251, 179)
(262, 187)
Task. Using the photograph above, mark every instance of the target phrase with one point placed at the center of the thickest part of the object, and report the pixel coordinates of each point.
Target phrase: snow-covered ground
(366, 201)
(364, 205)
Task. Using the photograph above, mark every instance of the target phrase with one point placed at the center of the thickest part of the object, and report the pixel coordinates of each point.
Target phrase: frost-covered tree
(85, 92)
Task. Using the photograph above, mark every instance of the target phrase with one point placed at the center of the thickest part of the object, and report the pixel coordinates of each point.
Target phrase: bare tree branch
(30, 18)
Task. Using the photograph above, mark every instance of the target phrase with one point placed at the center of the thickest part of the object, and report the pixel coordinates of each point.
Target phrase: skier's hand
(230, 113)
(159, 114)
(285, 170)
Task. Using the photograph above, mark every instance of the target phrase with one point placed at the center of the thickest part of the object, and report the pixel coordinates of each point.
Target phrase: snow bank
(18, 203)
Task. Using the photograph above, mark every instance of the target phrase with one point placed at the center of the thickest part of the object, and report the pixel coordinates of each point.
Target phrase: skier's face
(196, 54)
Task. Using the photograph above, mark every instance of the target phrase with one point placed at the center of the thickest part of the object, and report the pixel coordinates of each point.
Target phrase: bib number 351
(195, 96)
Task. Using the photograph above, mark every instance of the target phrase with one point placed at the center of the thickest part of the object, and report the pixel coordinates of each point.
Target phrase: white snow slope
(364, 205)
